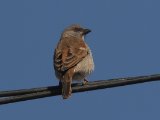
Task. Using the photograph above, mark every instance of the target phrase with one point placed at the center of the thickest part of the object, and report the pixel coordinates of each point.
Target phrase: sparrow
(72, 58)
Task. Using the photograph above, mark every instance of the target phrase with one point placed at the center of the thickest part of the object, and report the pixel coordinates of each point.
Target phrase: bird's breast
(84, 68)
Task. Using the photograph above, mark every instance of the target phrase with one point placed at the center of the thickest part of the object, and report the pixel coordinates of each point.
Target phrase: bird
(72, 58)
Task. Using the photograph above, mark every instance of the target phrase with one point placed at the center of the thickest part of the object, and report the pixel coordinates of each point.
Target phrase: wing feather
(69, 56)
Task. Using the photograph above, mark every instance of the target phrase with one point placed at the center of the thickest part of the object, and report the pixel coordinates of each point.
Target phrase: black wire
(35, 93)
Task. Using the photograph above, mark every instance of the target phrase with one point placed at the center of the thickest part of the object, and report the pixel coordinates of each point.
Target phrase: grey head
(75, 30)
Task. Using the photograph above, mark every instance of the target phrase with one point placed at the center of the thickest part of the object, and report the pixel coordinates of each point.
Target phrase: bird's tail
(66, 86)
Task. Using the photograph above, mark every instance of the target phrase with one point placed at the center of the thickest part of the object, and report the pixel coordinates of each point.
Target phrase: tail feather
(66, 89)
(66, 86)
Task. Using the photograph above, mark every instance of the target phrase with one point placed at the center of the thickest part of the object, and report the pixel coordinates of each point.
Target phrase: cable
(35, 93)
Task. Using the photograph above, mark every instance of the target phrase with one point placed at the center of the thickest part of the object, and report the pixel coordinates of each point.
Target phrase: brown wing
(68, 54)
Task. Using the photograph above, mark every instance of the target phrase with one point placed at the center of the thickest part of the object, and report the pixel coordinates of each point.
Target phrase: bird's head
(75, 31)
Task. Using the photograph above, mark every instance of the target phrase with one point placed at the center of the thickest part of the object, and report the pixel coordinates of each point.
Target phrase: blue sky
(125, 41)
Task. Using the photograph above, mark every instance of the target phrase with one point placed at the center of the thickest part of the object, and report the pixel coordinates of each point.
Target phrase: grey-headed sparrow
(72, 58)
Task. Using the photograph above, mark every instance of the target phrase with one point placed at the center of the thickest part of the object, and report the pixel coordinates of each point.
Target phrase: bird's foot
(85, 81)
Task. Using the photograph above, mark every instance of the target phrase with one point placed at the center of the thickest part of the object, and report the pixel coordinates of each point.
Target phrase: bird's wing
(69, 56)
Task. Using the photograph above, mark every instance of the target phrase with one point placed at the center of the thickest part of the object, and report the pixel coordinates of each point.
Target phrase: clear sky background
(125, 41)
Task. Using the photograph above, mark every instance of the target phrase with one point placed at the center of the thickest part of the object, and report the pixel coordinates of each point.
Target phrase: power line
(35, 93)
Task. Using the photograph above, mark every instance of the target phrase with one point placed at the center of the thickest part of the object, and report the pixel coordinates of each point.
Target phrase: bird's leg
(85, 81)
(60, 84)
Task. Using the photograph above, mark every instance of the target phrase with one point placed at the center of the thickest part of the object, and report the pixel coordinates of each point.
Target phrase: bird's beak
(86, 31)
